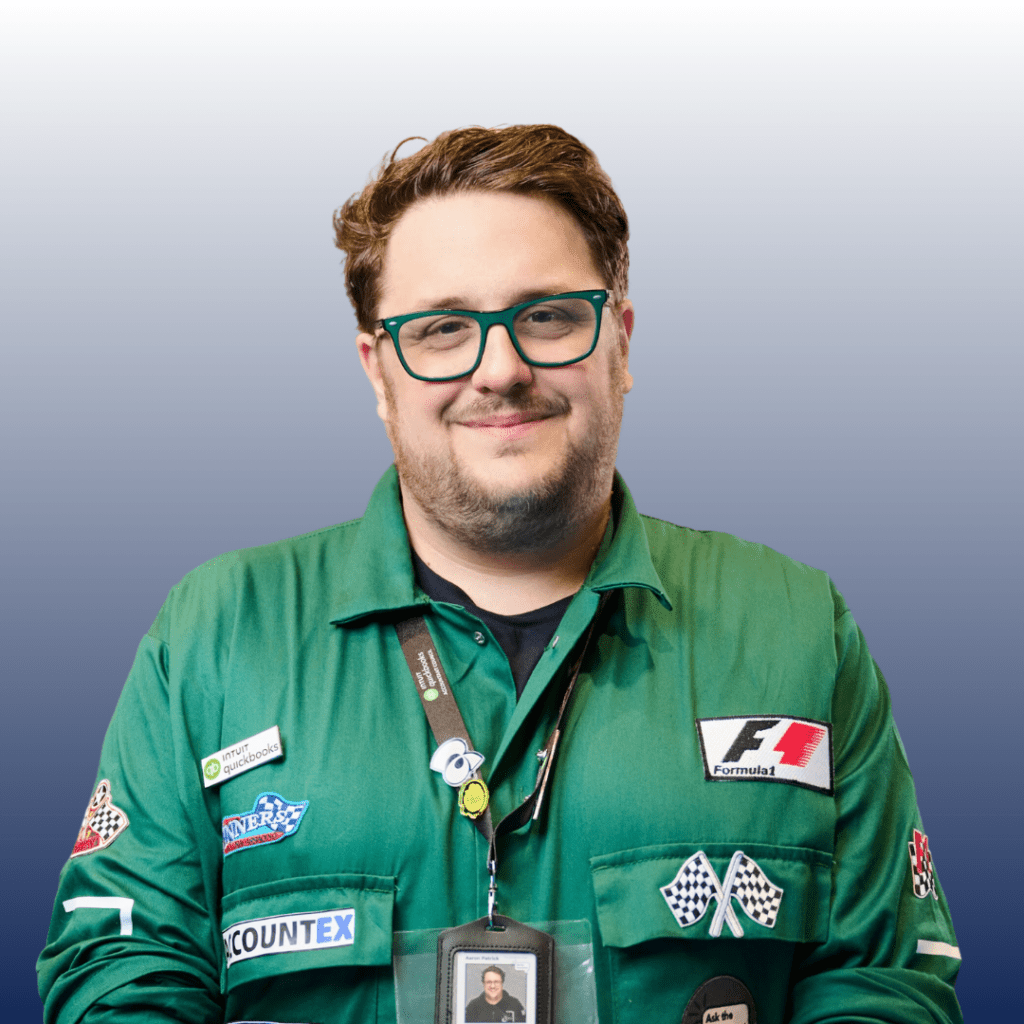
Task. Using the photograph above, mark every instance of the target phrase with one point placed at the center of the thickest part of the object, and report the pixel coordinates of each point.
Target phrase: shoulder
(707, 565)
(259, 574)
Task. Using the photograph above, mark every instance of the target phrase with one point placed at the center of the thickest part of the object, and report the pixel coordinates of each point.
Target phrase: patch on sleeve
(271, 819)
(767, 748)
(102, 824)
(933, 948)
(921, 868)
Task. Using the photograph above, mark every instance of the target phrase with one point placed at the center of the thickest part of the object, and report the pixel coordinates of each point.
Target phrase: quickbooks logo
(240, 757)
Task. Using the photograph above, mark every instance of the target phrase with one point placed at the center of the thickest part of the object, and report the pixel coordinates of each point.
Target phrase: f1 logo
(797, 751)
(748, 738)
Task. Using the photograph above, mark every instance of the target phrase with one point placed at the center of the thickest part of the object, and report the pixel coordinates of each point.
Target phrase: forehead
(485, 248)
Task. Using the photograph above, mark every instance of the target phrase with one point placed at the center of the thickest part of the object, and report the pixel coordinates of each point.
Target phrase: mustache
(506, 405)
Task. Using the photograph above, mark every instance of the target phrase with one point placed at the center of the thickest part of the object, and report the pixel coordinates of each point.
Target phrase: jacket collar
(380, 578)
(624, 558)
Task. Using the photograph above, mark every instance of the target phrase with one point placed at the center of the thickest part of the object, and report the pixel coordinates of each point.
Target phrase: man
(729, 822)
(494, 1003)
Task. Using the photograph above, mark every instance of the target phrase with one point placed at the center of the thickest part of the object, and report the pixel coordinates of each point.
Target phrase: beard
(503, 520)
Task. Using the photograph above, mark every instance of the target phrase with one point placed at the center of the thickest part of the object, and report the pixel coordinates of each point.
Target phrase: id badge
(504, 973)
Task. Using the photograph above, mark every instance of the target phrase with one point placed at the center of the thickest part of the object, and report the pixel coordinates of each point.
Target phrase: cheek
(431, 402)
(416, 405)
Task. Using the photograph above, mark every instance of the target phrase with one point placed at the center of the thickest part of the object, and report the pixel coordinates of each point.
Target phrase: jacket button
(479, 638)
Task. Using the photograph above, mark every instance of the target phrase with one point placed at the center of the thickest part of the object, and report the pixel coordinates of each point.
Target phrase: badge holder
(520, 956)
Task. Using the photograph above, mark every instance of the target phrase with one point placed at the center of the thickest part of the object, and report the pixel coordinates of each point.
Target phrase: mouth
(507, 426)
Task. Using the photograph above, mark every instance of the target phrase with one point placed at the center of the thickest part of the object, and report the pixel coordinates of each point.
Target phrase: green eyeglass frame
(597, 297)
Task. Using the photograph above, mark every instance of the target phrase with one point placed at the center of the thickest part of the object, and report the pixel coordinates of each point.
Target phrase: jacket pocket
(659, 957)
(302, 924)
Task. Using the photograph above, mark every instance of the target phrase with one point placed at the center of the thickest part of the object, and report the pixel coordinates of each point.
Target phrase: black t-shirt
(522, 637)
(507, 1008)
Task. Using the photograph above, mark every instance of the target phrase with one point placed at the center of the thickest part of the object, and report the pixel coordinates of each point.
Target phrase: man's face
(492, 987)
(509, 457)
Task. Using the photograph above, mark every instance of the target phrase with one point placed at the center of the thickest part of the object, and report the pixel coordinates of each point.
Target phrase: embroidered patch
(455, 761)
(767, 748)
(271, 819)
(720, 1000)
(243, 756)
(102, 824)
(921, 866)
(288, 933)
(690, 893)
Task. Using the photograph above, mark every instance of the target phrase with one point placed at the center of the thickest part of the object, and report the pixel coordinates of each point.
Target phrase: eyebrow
(460, 302)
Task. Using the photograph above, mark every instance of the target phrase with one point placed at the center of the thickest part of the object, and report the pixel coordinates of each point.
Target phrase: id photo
(497, 986)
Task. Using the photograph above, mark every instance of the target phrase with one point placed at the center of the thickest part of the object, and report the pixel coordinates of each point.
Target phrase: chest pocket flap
(778, 892)
(306, 923)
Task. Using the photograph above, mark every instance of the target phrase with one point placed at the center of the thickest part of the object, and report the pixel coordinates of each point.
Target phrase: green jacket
(709, 647)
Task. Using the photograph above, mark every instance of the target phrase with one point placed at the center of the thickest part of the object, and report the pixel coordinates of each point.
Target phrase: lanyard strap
(436, 695)
(446, 722)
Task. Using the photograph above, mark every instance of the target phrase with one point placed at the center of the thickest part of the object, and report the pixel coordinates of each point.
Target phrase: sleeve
(133, 934)
(891, 953)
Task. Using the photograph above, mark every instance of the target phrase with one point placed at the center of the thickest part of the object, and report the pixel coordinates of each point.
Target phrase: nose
(501, 368)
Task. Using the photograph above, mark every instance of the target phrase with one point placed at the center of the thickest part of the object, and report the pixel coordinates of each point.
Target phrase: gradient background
(827, 219)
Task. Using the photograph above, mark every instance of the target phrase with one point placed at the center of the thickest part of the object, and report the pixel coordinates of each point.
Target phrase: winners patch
(767, 748)
(271, 819)
(102, 824)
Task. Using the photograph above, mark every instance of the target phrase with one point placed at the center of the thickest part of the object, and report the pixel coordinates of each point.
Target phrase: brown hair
(530, 159)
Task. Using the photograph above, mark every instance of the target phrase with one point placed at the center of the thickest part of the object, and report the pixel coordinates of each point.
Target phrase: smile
(506, 427)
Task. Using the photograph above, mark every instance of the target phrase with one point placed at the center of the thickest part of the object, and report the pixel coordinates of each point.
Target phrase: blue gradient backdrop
(827, 221)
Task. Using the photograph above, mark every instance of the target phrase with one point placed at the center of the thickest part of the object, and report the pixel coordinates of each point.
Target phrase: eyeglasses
(445, 344)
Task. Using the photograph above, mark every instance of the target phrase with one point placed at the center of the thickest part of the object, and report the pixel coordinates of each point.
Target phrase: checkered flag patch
(692, 890)
(757, 896)
(104, 821)
(286, 815)
(921, 867)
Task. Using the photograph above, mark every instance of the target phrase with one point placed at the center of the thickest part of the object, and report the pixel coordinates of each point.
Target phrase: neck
(508, 583)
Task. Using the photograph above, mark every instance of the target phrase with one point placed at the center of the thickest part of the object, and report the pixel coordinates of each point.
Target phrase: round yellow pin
(473, 797)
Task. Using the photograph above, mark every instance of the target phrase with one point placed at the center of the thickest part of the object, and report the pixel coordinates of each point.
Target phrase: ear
(624, 317)
(369, 356)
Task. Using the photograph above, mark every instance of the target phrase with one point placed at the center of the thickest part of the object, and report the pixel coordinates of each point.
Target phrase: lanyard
(446, 722)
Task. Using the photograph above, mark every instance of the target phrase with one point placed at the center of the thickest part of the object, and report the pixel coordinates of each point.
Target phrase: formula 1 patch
(271, 819)
(921, 868)
(102, 824)
(288, 933)
(767, 748)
